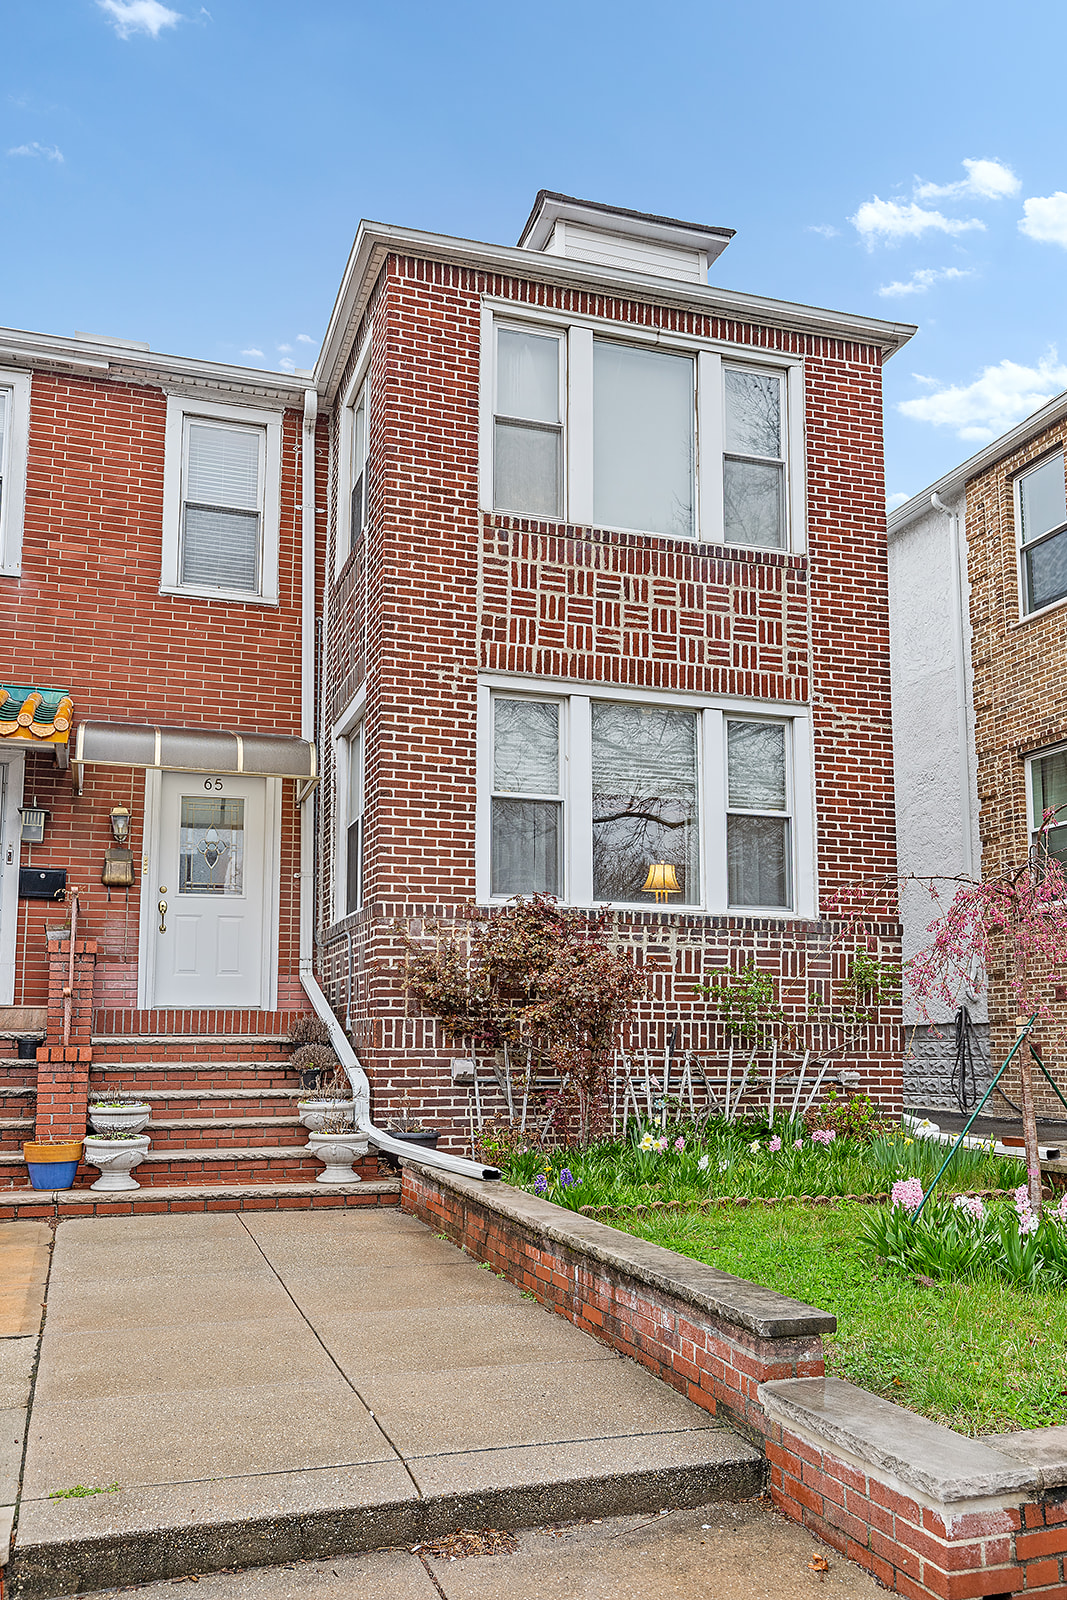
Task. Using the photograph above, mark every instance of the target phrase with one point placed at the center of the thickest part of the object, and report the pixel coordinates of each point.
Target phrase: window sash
(359, 451)
(5, 408)
(353, 820)
(220, 535)
(772, 848)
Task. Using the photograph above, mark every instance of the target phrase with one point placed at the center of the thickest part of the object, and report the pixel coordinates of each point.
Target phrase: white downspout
(959, 640)
(338, 1038)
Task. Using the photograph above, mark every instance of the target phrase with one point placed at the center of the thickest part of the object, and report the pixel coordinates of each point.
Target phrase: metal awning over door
(175, 749)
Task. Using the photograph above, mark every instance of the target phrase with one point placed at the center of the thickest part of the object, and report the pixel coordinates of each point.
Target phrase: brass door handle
(162, 916)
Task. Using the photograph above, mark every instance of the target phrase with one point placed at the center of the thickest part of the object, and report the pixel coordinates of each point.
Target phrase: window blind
(221, 511)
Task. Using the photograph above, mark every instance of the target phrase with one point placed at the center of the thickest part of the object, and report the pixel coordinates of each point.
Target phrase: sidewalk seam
(315, 1332)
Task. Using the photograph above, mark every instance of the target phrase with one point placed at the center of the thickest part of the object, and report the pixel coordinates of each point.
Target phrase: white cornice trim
(375, 241)
(1052, 411)
(119, 361)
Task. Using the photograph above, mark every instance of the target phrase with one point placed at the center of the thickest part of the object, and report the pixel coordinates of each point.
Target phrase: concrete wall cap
(761, 1311)
(940, 1463)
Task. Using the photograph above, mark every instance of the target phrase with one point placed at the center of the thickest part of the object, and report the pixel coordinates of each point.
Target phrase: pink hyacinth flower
(775, 1145)
(679, 1144)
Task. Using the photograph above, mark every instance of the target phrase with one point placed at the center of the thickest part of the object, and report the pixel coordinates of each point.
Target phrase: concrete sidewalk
(716, 1552)
(265, 1387)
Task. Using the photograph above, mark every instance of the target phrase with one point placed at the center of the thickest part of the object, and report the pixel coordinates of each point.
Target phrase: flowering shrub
(962, 1238)
(855, 1118)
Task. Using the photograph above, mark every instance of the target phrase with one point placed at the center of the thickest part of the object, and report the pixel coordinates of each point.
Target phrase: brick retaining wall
(928, 1512)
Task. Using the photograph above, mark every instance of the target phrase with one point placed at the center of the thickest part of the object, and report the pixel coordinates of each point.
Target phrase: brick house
(605, 589)
(1010, 504)
(563, 566)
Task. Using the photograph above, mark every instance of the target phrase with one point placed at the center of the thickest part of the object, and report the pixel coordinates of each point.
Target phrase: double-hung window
(14, 432)
(620, 429)
(221, 501)
(1047, 790)
(614, 798)
(528, 428)
(353, 820)
(355, 462)
(1041, 516)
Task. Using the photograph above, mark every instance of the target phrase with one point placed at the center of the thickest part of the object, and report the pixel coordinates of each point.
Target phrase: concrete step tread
(195, 1064)
(232, 1152)
(216, 1094)
(12, 1091)
(27, 1122)
(221, 1122)
(194, 1191)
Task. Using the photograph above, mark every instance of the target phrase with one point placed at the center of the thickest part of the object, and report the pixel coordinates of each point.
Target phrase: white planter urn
(116, 1158)
(132, 1116)
(336, 1151)
(313, 1113)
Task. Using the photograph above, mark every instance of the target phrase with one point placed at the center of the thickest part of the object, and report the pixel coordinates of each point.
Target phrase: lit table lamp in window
(663, 880)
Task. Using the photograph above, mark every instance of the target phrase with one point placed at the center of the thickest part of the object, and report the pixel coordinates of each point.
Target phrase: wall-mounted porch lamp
(120, 824)
(663, 880)
(33, 822)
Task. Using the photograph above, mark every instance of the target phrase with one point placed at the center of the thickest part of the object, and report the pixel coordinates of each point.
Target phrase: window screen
(528, 436)
(527, 806)
(758, 825)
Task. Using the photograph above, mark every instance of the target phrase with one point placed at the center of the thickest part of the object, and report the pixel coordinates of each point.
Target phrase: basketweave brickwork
(1019, 665)
(87, 613)
(437, 591)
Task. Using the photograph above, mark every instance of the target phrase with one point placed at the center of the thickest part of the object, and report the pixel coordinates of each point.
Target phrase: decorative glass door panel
(209, 897)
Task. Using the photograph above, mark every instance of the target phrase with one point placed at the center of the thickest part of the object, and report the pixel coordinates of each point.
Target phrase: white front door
(209, 901)
(11, 771)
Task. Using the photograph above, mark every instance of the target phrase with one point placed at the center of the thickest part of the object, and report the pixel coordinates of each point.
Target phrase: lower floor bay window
(618, 799)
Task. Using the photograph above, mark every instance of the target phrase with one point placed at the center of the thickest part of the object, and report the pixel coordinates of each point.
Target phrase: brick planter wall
(928, 1512)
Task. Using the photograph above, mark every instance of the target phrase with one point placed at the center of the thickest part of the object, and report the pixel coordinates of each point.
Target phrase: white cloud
(253, 352)
(894, 220)
(1045, 218)
(985, 180)
(922, 280)
(50, 152)
(287, 364)
(138, 16)
(304, 338)
(894, 500)
(827, 230)
(284, 349)
(994, 402)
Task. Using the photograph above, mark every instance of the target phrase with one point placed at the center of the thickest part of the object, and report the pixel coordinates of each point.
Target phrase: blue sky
(193, 175)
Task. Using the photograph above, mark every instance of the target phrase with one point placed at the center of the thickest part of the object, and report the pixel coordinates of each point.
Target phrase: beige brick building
(1013, 503)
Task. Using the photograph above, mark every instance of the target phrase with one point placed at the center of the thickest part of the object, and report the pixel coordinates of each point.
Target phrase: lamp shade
(662, 879)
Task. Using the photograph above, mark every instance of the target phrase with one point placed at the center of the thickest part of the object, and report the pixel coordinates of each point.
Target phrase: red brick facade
(440, 591)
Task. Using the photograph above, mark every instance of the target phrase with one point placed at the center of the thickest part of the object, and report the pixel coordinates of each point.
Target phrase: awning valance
(130, 744)
(37, 717)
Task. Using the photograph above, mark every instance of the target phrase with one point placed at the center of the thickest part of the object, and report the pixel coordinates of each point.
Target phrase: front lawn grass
(980, 1357)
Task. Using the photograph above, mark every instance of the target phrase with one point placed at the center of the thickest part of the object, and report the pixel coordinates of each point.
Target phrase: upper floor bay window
(620, 432)
(14, 433)
(1047, 791)
(583, 796)
(1041, 518)
(221, 501)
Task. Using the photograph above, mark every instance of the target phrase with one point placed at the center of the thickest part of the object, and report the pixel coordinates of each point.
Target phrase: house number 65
(212, 783)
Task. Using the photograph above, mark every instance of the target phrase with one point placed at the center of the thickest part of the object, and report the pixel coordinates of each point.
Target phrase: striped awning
(176, 749)
(40, 718)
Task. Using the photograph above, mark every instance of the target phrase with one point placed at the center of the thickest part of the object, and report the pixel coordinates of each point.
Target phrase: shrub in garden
(855, 1118)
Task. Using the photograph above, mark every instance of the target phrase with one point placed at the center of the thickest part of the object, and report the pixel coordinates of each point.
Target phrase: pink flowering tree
(1013, 924)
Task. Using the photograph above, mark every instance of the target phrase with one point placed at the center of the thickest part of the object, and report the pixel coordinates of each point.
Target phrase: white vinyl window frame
(1024, 545)
(15, 390)
(576, 367)
(358, 389)
(181, 411)
(1035, 813)
(349, 727)
(576, 765)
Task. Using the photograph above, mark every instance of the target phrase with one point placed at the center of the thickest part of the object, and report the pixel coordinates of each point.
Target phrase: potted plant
(113, 1114)
(405, 1124)
(52, 1166)
(311, 1051)
(337, 1144)
(332, 1096)
(116, 1154)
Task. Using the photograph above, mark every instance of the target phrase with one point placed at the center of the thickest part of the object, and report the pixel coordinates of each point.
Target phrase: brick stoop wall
(927, 1511)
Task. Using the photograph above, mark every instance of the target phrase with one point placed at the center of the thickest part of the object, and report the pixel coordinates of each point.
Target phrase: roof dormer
(609, 236)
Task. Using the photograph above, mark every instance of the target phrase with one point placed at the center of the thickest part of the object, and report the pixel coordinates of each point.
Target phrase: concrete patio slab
(378, 1388)
(24, 1252)
(374, 1343)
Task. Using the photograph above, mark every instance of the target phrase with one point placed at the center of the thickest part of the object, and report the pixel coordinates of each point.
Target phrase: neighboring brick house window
(14, 435)
(580, 794)
(353, 459)
(596, 425)
(1041, 517)
(221, 511)
(1047, 788)
(349, 765)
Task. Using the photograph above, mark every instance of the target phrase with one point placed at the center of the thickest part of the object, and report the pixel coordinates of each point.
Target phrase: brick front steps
(20, 1205)
(930, 1513)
